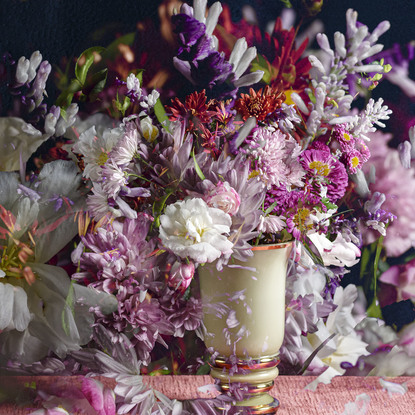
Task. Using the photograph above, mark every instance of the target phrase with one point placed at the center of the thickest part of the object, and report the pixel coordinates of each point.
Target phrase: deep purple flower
(188, 29)
(211, 70)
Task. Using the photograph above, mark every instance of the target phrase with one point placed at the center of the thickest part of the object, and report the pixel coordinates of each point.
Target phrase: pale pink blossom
(275, 157)
(224, 197)
(398, 185)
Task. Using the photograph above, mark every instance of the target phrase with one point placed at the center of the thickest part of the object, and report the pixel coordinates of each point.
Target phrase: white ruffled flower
(339, 253)
(190, 228)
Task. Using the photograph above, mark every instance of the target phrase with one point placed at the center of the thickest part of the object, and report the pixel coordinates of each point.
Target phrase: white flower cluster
(329, 78)
(364, 122)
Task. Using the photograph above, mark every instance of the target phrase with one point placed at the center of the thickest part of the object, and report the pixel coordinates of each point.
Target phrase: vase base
(259, 404)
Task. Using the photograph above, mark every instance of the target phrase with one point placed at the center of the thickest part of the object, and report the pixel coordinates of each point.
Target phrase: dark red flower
(260, 104)
(195, 110)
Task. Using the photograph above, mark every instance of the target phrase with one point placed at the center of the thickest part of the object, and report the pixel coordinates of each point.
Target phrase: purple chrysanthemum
(118, 260)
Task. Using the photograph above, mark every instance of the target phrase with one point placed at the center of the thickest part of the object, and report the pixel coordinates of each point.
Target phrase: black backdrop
(67, 27)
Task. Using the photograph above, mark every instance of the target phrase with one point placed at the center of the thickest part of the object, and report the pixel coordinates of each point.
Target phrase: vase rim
(267, 247)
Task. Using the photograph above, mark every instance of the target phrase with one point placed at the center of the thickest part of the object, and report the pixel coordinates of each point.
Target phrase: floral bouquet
(106, 219)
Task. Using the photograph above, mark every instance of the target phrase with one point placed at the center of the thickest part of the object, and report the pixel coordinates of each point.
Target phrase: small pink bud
(181, 275)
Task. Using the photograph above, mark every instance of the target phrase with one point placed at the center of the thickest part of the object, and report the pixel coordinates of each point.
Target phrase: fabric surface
(328, 399)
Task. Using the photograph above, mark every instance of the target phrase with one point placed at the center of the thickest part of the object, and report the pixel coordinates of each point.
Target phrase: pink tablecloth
(328, 399)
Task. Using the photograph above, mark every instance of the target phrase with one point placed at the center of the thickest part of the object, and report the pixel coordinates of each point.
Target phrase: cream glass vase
(244, 316)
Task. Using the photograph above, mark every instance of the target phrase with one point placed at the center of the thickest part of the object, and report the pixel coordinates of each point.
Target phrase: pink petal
(93, 391)
(391, 276)
(109, 402)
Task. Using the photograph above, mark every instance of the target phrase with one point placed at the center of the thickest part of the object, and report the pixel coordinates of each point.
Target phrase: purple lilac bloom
(118, 260)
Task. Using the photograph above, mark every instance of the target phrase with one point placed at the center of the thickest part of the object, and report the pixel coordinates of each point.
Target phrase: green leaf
(122, 106)
(69, 302)
(364, 261)
(328, 204)
(197, 168)
(287, 3)
(260, 63)
(379, 246)
(112, 50)
(203, 370)
(87, 59)
(271, 208)
(158, 372)
(158, 207)
(97, 83)
(374, 309)
(161, 115)
(65, 98)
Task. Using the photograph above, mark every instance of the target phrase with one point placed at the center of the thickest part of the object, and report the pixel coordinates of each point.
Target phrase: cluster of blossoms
(160, 191)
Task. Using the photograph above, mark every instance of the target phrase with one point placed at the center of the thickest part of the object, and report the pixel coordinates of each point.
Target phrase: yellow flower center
(102, 159)
(13, 260)
(254, 173)
(346, 137)
(322, 169)
(300, 219)
(355, 161)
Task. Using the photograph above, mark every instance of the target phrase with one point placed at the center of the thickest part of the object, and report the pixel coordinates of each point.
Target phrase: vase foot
(245, 384)
(259, 404)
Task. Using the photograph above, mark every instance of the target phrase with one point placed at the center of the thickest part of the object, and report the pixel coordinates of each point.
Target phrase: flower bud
(181, 275)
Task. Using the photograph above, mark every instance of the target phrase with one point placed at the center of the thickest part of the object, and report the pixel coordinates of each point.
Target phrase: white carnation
(190, 228)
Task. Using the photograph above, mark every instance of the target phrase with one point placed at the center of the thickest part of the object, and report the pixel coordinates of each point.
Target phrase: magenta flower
(325, 171)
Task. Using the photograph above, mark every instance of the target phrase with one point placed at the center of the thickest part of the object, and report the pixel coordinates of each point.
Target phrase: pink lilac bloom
(274, 157)
(183, 314)
(325, 170)
(398, 185)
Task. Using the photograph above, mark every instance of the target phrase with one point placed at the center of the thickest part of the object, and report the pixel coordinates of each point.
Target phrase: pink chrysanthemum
(275, 158)
(354, 161)
(344, 138)
(118, 260)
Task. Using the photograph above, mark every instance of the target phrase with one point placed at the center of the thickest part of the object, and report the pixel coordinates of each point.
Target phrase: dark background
(65, 28)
